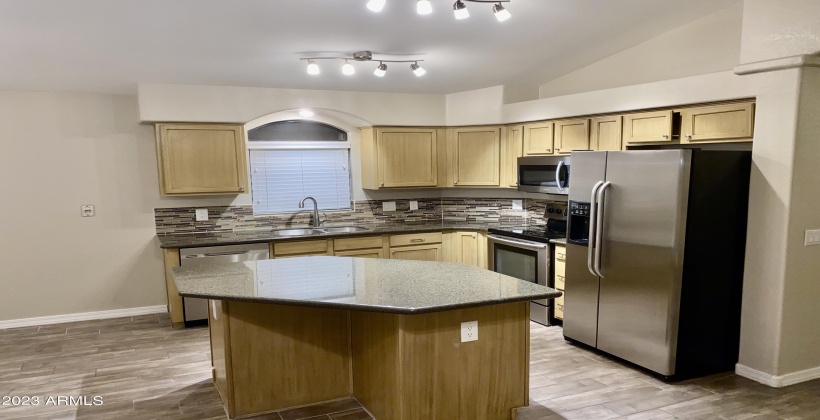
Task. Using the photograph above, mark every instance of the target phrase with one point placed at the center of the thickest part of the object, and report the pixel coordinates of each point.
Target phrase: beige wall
(779, 28)
(707, 45)
(57, 152)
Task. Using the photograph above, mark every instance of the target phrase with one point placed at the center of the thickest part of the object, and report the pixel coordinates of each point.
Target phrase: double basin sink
(318, 231)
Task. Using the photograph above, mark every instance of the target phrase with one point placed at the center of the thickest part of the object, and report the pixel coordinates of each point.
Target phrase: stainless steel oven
(544, 174)
(526, 260)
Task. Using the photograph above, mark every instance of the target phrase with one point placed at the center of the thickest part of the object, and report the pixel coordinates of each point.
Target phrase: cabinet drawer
(560, 268)
(560, 281)
(357, 243)
(415, 239)
(362, 253)
(304, 247)
(560, 253)
(559, 307)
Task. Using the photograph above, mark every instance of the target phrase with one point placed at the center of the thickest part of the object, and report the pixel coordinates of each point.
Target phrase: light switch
(87, 210)
(812, 237)
(469, 331)
(518, 204)
(388, 206)
(201, 215)
(414, 205)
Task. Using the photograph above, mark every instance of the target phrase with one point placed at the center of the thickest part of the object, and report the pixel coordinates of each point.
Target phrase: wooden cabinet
(559, 267)
(475, 156)
(538, 138)
(201, 159)
(416, 246)
(400, 157)
(361, 253)
(571, 135)
(606, 133)
(470, 248)
(512, 148)
(361, 247)
(733, 122)
(648, 127)
(302, 248)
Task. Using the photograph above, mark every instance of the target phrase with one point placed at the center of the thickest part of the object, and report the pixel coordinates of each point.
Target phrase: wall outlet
(518, 204)
(201, 215)
(469, 331)
(414, 205)
(812, 237)
(87, 210)
(388, 206)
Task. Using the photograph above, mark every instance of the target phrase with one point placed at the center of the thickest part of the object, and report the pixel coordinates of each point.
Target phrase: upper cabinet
(720, 122)
(538, 138)
(648, 127)
(201, 159)
(475, 156)
(511, 150)
(606, 133)
(400, 157)
(571, 135)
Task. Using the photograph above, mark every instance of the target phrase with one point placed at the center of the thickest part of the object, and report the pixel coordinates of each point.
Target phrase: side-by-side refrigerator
(655, 254)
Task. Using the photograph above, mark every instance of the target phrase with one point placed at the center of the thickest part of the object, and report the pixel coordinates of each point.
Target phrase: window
(291, 160)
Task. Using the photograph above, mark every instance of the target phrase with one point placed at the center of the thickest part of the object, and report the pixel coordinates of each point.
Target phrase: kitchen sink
(296, 232)
(343, 229)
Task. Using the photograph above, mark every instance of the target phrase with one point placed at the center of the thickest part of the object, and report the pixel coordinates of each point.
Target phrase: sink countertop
(257, 236)
(377, 285)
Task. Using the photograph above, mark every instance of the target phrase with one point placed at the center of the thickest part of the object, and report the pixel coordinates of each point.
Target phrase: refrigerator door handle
(558, 176)
(599, 203)
(593, 214)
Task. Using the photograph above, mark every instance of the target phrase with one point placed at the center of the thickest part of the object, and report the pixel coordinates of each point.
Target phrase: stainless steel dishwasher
(196, 310)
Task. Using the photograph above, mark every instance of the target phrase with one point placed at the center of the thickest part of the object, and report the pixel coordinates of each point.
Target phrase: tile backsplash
(483, 211)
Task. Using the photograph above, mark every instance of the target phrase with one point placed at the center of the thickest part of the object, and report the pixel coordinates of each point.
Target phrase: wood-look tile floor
(144, 369)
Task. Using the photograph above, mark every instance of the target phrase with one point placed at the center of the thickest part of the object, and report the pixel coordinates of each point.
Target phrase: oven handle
(534, 246)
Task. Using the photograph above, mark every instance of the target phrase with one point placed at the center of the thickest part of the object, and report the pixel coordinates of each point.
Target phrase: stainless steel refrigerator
(655, 253)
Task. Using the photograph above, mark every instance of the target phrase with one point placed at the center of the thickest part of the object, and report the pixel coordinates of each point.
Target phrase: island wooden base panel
(270, 357)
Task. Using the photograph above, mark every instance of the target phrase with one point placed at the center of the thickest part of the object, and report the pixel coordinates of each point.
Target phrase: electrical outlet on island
(469, 331)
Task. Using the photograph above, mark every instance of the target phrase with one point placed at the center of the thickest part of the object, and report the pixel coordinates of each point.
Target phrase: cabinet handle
(417, 240)
(241, 188)
(666, 136)
(382, 184)
(689, 136)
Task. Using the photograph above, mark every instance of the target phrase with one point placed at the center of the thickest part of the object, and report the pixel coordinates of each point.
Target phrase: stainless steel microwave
(544, 174)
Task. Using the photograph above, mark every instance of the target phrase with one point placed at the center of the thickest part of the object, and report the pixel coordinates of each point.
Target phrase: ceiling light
(460, 10)
(381, 70)
(501, 13)
(306, 113)
(348, 69)
(417, 69)
(312, 68)
(376, 5)
(424, 7)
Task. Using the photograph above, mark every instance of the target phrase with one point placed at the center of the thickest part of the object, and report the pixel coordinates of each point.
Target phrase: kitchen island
(296, 331)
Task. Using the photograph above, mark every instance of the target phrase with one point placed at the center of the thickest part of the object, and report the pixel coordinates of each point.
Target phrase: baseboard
(84, 316)
(778, 381)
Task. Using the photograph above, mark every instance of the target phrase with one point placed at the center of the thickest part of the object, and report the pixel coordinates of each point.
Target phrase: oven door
(528, 261)
(544, 174)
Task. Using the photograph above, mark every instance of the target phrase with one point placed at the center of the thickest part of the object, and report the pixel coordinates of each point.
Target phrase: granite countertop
(249, 237)
(366, 284)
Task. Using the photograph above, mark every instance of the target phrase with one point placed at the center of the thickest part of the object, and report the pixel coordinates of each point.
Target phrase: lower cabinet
(429, 252)
(302, 248)
(361, 253)
(467, 248)
(559, 282)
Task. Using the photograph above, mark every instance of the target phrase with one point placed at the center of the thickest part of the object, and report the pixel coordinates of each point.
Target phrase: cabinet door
(721, 122)
(316, 247)
(648, 127)
(571, 135)
(471, 249)
(538, 139)
(362, 253)
(512, 150)
(476, 156)
(201, 159)
(606, 133)
(407, 157)
(419, 253)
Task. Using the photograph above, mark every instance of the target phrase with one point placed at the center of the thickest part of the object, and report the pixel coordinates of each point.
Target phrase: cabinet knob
(666, 136)
(241, 188)
(382, 184)
(689, 136)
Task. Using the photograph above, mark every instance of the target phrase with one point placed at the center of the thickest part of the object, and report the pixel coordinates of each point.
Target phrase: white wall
(707, 45)
(779, 28)
(481, 106)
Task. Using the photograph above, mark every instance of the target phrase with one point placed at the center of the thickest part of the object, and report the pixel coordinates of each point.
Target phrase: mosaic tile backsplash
(483, 211)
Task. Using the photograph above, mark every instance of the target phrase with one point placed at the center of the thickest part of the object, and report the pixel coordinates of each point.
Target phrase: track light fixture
(425, 7)
(348, 69)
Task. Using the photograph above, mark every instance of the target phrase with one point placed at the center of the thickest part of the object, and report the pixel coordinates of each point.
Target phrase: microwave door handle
(600, 228)
(593, 207)
(558, 176)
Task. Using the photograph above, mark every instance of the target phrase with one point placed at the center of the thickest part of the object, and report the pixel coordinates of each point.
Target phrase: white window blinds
(280, 178)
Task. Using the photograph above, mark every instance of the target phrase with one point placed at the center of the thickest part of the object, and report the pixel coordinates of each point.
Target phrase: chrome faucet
(316, 221)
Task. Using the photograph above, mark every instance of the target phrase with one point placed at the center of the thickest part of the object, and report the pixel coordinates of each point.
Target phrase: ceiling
(111, 45)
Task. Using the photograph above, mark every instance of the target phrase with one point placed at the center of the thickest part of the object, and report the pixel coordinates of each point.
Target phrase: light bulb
(376, 5)
(424, 7)
(460, 10)
(417, 69)
(501, 13)
(306, 113)
(312, 68)
(381, 70)
(348, 69)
